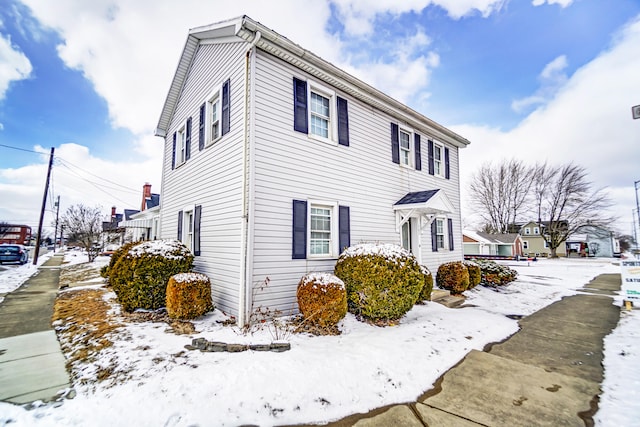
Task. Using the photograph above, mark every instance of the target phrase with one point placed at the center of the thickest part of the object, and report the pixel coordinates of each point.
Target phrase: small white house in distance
(275, 160)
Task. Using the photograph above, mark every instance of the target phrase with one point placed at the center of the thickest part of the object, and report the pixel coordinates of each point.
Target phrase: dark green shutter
(446, 163)
(300, 119)
(187, 154)
(226, 107)
(196, 230)
(173, 153)
(180, 225)
(417, 152)
(344, 228)
(450, 227)
(395, 144)
(201, 127)
(431, 163)
(343, 122)
(299, 240)
(434, 236)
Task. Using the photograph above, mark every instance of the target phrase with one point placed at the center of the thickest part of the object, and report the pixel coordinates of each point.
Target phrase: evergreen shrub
(383, 281)
(453, 276)
(322, 299)
(188, 296)
(115, 256)
(475, 274)
(494, 274)
(139, 278)
(425, 294)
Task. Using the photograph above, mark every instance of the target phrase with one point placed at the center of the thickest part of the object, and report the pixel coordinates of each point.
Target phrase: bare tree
(84, 225)
(565, 202)
(500, 192)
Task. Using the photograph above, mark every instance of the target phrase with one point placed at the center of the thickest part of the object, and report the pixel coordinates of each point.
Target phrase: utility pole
(635, 189)
(44, 204)
(55, 231)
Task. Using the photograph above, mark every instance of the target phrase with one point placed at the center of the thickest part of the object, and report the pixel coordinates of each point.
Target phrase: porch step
(444, 297)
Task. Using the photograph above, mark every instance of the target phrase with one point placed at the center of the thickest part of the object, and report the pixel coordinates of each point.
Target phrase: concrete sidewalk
(32, 366)
(546, 374)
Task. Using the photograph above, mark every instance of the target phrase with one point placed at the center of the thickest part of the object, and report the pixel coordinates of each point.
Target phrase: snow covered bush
(475, 275)
(425, 294)
(494, 274)
(188, 296)
(383, 281)
(453, 276)
(322, 299)
(139, 278)
(122, 250)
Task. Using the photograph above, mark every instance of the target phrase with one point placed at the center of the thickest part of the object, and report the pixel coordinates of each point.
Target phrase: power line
(67, 163)
(97, 186)
(21, 149)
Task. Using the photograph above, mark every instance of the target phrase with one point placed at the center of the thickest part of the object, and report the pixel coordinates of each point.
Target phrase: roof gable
(245, 29)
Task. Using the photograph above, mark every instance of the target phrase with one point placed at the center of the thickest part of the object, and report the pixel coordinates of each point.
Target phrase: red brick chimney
(146, 195)
(113, 213)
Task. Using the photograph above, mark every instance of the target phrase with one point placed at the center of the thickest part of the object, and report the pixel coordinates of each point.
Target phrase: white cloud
(562, 3)
(14, 65)
(552, 78)
(358, 16)
(588, 122)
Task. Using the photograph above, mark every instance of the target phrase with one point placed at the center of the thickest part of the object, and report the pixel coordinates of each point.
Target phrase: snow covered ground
(325, 378)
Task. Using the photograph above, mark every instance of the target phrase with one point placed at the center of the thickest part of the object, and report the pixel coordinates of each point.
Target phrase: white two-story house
(275, 160)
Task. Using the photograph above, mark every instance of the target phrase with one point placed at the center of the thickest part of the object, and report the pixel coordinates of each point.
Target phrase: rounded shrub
(494, 274)
(425, 294)
(475, 274)
(383, 281)
(322, 299)
(139, 278)
(122, 250)
(453, 276)
(188, 296)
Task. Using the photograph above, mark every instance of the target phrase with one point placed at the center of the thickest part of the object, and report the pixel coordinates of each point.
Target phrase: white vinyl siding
(212, 177)
(291, 166)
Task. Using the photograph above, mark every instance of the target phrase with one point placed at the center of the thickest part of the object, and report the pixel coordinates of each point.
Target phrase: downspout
(246, 260)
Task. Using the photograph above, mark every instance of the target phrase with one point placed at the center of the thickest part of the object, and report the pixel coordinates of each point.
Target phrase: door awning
(425, 205)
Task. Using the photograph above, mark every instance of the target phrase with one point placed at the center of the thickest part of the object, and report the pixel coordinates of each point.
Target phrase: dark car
(13, 253)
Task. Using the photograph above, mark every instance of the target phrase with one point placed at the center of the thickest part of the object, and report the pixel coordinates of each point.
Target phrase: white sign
(635, 110)
(630, 279)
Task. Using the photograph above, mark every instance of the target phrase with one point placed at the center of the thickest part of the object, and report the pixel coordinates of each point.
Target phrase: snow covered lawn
(154, 380)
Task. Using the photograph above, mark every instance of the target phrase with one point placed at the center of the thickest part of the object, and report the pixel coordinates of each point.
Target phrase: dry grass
(84, 324)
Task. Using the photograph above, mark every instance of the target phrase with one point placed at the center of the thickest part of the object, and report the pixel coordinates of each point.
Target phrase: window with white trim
(405, 148)
(525, 244)
(440, 233)
(321, 112)
(323, 230)
(181, 145)
(214, 116)
(527, 231)
(405, 235)
(536, 230)
(546, 244)
(438, 159)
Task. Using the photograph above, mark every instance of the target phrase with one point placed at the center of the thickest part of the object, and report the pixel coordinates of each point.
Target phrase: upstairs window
(320, 113)
(405, 148)
(181, 144)
(213, 118)
(536, 230)
(527, 231)
(438, 160)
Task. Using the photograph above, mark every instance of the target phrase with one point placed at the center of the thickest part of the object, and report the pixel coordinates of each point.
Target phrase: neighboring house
(143, 224)
(533, 244)
(276, 160)
(595, 241)
(477, 243)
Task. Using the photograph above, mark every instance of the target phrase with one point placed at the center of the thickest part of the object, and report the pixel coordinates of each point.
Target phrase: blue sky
(538, 80)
